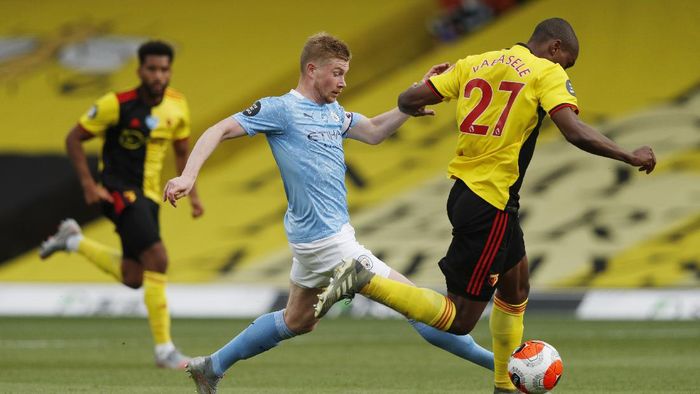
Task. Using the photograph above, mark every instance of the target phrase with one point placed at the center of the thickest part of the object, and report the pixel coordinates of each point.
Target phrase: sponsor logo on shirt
(493, 279)
(330, 138)
(325, 136)
(131, 139)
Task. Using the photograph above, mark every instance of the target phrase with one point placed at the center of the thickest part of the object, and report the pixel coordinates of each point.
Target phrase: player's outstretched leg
(59, 241)
(348, 279)
(421, 304)
(352, 277)
(70, 238)
(200, 370)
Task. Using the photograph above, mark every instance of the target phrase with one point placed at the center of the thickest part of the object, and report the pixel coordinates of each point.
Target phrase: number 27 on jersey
(469, 125)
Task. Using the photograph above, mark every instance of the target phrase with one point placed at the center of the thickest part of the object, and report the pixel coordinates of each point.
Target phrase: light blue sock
(460, 345)
(261, 335)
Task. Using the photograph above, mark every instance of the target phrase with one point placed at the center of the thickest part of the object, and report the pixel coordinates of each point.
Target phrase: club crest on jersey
(130, 196)
(253, 109)
(151, 121)
(570, 87)
(335, 117)
(493, 279)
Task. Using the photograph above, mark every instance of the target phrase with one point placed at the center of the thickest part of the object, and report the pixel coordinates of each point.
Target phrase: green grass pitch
(52, 355)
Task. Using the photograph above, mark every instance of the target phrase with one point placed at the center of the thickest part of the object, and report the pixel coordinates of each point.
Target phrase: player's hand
(95, 194)
(644, 159)
(177, 188)
(436, 70)
(422, 111)
(197, 207)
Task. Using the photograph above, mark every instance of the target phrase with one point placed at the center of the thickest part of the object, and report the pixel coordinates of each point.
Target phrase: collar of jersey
(300, 96)
(520, 44)
(296, 94)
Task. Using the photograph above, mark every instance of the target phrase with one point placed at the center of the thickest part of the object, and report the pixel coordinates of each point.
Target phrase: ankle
(163, 349)
(73, 242)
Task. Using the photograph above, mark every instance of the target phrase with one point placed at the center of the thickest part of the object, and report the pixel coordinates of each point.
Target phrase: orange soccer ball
(535, 367)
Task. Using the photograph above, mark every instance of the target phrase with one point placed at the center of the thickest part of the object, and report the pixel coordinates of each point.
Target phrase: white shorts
(313, 262)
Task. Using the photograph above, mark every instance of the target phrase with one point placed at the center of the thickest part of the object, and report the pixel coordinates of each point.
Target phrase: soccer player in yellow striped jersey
(502, 98)
(136, 127)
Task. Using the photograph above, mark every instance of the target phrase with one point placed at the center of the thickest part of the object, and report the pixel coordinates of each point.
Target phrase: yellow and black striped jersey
(502, 97)
(136, 136)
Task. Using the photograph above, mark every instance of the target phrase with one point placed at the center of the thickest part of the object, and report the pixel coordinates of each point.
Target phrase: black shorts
(136, 219)
(486, 242)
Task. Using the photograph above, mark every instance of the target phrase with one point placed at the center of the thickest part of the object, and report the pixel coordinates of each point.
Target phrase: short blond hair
(322, 47)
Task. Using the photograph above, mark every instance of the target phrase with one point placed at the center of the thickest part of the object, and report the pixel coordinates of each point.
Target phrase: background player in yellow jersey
(502, 97)
(136, 127)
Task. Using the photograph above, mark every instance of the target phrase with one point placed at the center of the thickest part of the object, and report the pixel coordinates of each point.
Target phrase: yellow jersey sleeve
(183, 128)
(103, 114)
(555, 91)
(447, 85)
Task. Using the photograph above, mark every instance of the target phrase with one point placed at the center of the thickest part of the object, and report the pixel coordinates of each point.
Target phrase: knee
(160, 266)
(134, 284)
(524, 290)
(155, 259)
(462, 326)
(132, 277)
(515, 294)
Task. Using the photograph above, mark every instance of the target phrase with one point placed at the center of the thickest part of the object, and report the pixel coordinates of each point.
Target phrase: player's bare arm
(182, 185)
(588, 139)
(375, 130)
(182, 148)
(92, 192)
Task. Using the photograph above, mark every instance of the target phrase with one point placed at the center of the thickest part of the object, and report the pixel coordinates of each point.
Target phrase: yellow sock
(157, 306)
(506, 323)
(424, 305)
(105, 258)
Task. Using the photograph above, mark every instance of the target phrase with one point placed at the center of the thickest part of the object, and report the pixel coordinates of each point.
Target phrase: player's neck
(307, 90)
(538, 49)
(149, 98)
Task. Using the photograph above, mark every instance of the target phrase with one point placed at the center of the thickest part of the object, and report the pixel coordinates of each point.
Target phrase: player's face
(329, 79)
(155, 74)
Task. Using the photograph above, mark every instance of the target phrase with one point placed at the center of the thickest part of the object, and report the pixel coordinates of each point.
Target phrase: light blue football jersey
(306, 140)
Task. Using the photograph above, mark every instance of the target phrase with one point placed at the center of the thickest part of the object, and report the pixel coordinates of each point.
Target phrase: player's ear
(310, 69)
(554, 46)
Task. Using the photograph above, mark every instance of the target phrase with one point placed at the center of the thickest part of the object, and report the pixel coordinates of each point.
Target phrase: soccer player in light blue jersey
(305, 129)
